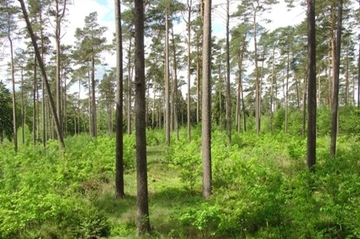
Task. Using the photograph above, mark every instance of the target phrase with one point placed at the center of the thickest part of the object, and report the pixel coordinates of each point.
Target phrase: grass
(166, 194)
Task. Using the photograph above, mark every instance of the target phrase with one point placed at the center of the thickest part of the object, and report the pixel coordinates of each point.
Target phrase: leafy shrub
(92, 224)
(186, 156)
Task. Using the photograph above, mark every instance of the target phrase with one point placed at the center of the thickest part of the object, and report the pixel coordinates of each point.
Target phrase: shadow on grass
(116, 206)
(165, 205)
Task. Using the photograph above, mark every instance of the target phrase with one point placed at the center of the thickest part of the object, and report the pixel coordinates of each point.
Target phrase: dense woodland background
(254, 105)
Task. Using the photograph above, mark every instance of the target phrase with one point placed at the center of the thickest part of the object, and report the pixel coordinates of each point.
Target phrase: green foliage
(6, 123)
(155, 137)
(186, 156)
(47, 187)
(261, 189)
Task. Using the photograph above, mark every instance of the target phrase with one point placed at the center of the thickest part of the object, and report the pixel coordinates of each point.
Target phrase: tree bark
(257, 80)
(34, 129)
(93, 100)
(175, 88)
(228, 96)
(142, 216)
(311, 132)
(206, 101)
(167, 79)
(335, 101)
(13, 92)
(189, 4)
(119, 162)
(128, 116)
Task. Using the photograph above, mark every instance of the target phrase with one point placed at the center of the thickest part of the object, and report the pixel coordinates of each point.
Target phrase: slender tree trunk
(287, 92)
(43, 106)
(167, 79)
(358, 76)
(58, 63)
(189, 4)
(333, 50)
(257, 80)
(93, 99)
(142, 216)
(272, 89)
(347, 82)
(198, 83)
(228, 96)
(23, 118)
(34, 102)
(90, 105)
(128, 116)
(13, 92)
(119, 162)
(311, 133)
(153, 108)
(206, 102)
(175, 88)
(64, 108)
(319, 91)
(335, 102)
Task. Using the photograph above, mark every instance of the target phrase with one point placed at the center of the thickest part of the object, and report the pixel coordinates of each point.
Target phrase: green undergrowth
(261, 189)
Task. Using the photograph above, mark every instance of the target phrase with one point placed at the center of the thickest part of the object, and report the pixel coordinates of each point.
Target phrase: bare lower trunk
(311, 134)
(206, 102)
(13, 94)
(335, 105)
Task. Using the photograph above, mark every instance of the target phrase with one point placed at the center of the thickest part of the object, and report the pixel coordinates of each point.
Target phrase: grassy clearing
(166, 193)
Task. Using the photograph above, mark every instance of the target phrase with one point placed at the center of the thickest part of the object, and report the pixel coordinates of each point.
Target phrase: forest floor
(166, 194)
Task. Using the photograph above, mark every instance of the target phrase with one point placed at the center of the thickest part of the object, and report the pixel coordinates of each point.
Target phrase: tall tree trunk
(128, 95)
(189, 4)
(257, 80)
(287, 92)
(59, 17)
(93, 99)
(319, 91)
(153, 108)
(335, 102)
(23, 117)
(311, 133)
(228, 96)
(175, 88)
(142, 216)
(43, 106)
(333, 51)
(34, 129)
(206, 101)
(64, 111)
(89, 103)
(358, 76)
(272, 89)
(198, 82)
(119, 162)
(13, 91)
(347, 82)
(167, 79)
